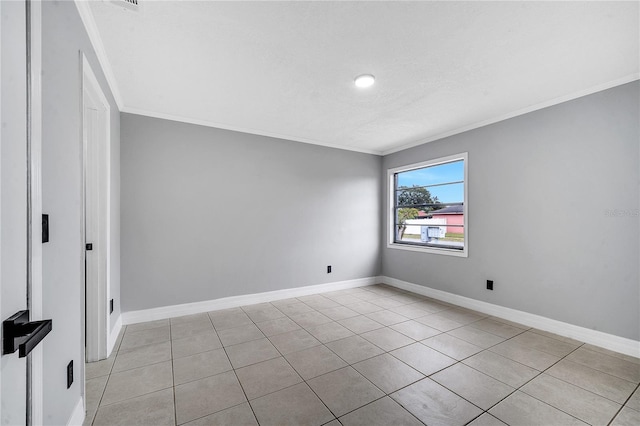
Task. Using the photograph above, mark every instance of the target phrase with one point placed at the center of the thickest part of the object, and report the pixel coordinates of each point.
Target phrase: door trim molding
(97, 315)
(35, 299)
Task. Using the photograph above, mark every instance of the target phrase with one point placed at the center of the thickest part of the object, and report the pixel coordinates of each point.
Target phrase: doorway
(96, 183)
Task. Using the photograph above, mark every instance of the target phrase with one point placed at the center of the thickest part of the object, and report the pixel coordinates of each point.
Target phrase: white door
(20, 205)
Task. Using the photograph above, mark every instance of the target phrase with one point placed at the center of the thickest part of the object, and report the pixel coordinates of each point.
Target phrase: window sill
(430, 250)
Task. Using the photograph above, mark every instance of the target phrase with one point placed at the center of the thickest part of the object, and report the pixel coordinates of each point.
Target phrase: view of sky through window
(443, 173)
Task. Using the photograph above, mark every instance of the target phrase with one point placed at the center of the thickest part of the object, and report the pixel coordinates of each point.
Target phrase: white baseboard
(594, 337)
(144, 315)
(113, 335)
(77, 416)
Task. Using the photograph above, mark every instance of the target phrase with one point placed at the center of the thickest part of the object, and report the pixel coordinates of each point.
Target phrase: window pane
(433, 175)
(429, 209)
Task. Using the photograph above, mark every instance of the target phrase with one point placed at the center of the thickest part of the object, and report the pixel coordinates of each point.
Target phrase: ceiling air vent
(129, 4)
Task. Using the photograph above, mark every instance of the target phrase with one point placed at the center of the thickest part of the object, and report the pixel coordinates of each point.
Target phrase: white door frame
(96, 193)
(33, 32)
(35, 304)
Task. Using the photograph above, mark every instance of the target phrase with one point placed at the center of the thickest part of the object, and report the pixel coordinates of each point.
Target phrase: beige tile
(423, 358)
(360, 324)
(201, 317)
(293, 341)
(199, 366)
(511, 323)
(207, 396)
(387, 339)
(151, 409)
(251, 353)
(431, 306)
(116, 345)
(595, 381)
(410, 311)
(383, 412)
(145, 337)
(367, 295)
(229, 318)
(99, 368)
(611, 353)
(524, 355)
(195, 345)
(240, 415)
(544, 344)
(557, 337)
(472, 385)
(265, 377)
(439, 322)
(265, 313)
(315, 361)
(388, 373)
(634, 401)
(627, 417)
(608, 364)
(435, 405)
(277, 326)
(522, 409)
(339, 312)
(293, 406)
(237, 335)
(296, 309)
(500, 368)
(498, 328)
(90, 415)
(486, 420)
(344, 390)
(329, 332)
(309, 319)
(354, 349)
(415, 330)
(462, 316)
(319, 302)
(144, 355)
(344, 299)
(364, 307)
(386, 302)
(94, 390)
(386, 317)
(586, 406)
(192, 328)
(285, 302)
(476, 336)
(452, 346)
(147, 325)
(139, 381)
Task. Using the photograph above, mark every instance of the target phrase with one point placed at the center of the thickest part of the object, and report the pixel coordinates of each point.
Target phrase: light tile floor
(363, 356)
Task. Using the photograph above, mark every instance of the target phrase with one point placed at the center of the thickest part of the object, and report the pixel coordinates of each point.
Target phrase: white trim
(464, 156)
(208, 123)
(36, 299)
(97, 330)
(77, 415)
(113, 335)
(144, 315)
(98, 46)
(575, 95)
(594, 337)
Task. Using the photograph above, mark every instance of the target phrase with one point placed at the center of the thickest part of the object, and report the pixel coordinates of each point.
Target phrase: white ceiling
(286, 69)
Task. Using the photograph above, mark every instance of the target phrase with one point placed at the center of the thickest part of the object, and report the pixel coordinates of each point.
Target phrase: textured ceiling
(286, 69)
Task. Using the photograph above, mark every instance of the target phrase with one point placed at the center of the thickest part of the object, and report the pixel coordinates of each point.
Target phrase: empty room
(320, 212)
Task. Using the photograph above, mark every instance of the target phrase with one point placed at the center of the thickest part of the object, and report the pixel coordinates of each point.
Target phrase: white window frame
(391, 206)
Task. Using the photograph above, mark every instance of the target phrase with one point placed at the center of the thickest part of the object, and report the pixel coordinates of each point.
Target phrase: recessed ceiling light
(365, 80)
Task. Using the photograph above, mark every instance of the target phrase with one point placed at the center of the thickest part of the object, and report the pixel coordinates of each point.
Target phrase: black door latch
(20, 334)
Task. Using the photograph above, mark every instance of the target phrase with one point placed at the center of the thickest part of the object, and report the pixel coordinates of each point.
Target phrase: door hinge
(89, 246)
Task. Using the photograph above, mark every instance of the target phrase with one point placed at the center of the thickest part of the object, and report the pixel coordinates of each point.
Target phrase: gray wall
(210, 213)
(64, 38)
(539, 189)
